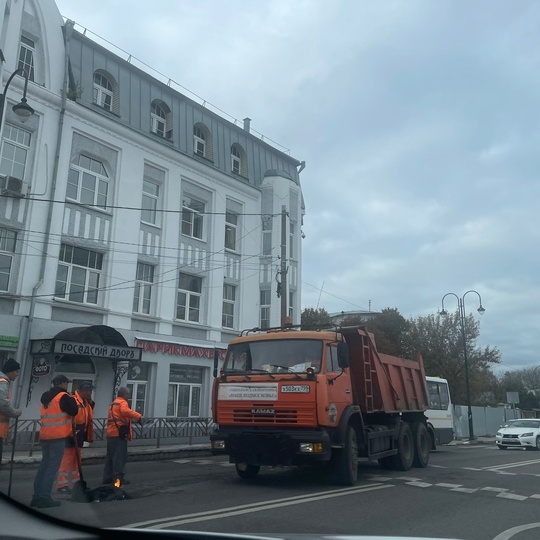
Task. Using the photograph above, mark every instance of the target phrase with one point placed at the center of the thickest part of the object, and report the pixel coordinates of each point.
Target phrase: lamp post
(22, 109)
(461, 308)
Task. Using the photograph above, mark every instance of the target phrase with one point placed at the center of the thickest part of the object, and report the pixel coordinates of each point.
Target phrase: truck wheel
(421, 445)
(247, 472)
(403, 460)
(347, 460)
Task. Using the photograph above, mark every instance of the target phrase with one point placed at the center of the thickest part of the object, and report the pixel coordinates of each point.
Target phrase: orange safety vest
(84, 421)
(120, 415)
(55, 423)
(4, 420)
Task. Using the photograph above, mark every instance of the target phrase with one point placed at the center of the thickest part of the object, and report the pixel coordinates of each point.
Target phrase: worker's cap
(86, 385)
(11, 365)
(59, 379)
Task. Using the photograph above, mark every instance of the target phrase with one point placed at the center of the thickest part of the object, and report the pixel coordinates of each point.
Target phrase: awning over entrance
(98, 341)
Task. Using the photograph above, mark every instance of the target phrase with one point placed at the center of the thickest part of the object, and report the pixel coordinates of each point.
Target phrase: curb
(134, 454)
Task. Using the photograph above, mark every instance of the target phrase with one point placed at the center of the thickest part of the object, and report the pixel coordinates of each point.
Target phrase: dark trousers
(115, 460)
(53, 451)
(1, 450)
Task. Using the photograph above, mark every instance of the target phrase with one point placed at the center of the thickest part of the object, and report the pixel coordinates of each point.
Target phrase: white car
(524, 433)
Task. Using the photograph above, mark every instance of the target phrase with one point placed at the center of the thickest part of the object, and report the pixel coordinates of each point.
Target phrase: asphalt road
(467, 492)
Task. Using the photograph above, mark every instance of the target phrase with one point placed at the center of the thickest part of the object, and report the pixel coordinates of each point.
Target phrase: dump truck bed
(384, 383)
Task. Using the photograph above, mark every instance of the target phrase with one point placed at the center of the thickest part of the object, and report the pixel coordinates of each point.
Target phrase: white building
(139, 230)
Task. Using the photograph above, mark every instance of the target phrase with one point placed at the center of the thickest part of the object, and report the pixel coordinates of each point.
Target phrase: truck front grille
(245, 415)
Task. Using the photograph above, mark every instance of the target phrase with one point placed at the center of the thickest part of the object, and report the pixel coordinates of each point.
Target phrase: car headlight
(499, 434)
(528, 434)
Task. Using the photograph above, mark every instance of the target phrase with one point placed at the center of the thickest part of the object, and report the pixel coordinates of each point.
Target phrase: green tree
(389, 328)
(439, 339)
(315, 317)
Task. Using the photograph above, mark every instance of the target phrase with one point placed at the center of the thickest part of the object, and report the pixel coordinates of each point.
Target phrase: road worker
(57, 411)
(10, 371)
(84, 432)
(119, 432)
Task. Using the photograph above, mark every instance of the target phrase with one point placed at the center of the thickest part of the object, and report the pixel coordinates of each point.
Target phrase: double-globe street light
(461, 308)
(22, 109)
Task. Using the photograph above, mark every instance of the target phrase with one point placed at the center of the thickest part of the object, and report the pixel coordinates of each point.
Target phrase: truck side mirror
(343, 355)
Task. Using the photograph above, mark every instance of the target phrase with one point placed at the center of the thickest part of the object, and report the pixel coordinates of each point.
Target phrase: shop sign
(56, 346)
(176, 349)
(9, 341)
(185, 374)
(41, 368)
(101, 351)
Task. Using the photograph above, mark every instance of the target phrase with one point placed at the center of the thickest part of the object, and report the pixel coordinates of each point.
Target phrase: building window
(188, 299)
(199, 142)
(231, 224)
(103, 91)
(161, 119)
(267, 235)
(137, 385)
(78, 275)
(265, 308)
(15, 146)
(238, 160)
(229, 299)
(291, 304)
(8, 241)
(291, 240)
(27, 53)
(150, 201)
(192, 218)
(185, 389)
(202, 141)
(157, 119)
(88, 182)
(142, 298)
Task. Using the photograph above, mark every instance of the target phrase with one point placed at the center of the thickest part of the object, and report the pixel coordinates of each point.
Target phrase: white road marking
(535, 496)
(182, 461)
(465, 490)
(419, 484)
(512, 465)
(494, 489)
(508, 534)
(512, 496)
(442, 484)
(221, 513)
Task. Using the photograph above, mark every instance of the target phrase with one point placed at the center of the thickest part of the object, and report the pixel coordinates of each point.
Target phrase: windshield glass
(275, 356)
(535, 424)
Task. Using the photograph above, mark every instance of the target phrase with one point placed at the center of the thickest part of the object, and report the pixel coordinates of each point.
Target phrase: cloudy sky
(419, 124)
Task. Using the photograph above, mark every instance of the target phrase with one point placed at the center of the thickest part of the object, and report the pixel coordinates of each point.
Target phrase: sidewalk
(136, 453)
(476, 440)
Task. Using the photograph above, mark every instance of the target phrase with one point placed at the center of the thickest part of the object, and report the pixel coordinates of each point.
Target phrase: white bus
(440, 414)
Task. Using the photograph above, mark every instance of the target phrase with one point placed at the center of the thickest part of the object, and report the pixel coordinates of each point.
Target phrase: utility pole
(283, 271)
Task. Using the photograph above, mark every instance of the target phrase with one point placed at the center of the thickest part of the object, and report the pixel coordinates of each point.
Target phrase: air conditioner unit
(15, 187)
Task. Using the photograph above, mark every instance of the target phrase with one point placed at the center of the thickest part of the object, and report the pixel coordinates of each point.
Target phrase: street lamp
(22, 109)
(461, 307)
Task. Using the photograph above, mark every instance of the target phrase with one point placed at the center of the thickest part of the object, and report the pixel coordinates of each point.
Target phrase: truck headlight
(218, 445)
(311, 448)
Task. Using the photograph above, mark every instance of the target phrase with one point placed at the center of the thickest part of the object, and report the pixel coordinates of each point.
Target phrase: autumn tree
(439, 339)
(315, 317)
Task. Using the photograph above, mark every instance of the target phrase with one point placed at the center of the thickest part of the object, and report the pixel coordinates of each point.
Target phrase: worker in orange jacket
(84, 432)
(57, 411)
(119, 432)
(10, 371)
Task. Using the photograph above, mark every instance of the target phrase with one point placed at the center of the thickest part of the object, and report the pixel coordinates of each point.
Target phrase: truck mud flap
(261, 449)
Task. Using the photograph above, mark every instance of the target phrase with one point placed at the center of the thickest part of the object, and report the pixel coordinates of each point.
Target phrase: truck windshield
(275, 356)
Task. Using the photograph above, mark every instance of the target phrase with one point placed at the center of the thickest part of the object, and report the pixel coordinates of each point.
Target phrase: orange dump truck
(293, 397)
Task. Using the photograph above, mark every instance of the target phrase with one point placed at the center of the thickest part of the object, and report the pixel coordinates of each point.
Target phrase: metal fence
(153, 431)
